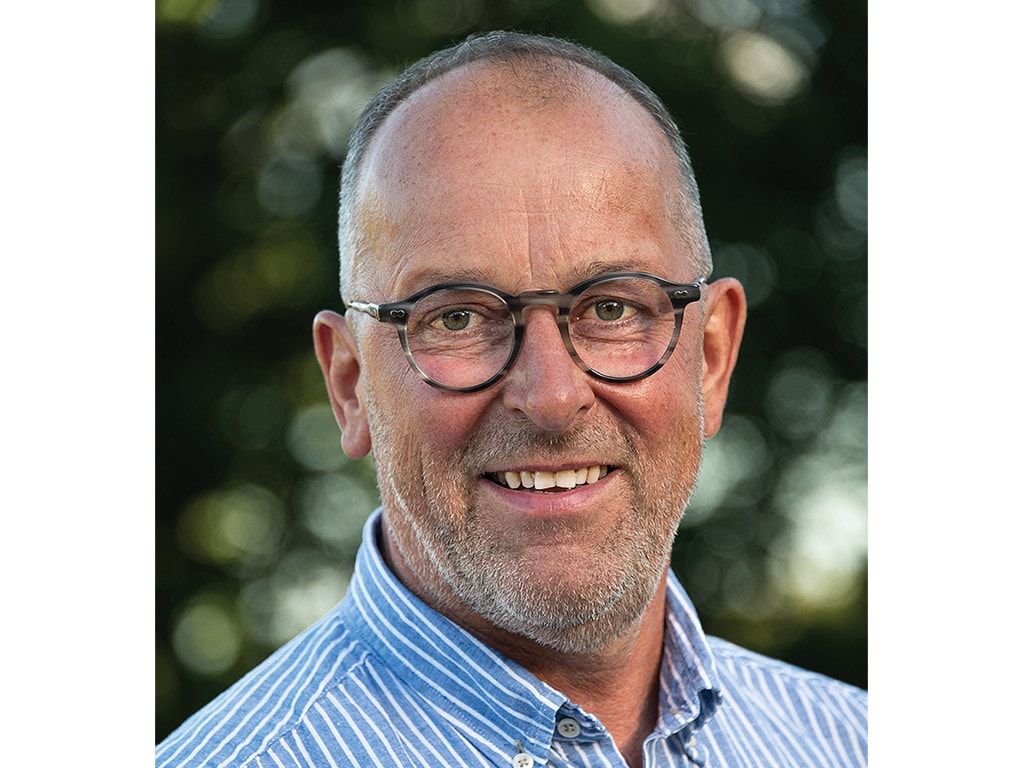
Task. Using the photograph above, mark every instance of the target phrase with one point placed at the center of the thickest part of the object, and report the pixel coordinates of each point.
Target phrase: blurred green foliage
(259, 512)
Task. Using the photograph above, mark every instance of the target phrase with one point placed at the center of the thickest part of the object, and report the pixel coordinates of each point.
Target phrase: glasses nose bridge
(560, 302)
(546, 298)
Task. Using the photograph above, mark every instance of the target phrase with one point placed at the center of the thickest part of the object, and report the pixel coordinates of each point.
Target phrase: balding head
(509, 71)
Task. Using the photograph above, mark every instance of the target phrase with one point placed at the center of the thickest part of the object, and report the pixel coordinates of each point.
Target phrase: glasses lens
(460, 338)
(621, 328)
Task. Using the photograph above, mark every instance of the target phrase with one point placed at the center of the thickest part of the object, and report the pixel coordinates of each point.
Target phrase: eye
(609, 309)
(456, 319)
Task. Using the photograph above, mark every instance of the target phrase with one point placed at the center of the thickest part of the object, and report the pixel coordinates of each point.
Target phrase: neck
(620, 684)
(622, 687)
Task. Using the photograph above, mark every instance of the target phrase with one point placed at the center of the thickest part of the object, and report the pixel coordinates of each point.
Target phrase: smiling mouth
(552, 482)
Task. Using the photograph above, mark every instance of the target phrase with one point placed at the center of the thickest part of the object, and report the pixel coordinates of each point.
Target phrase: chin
(580, 617)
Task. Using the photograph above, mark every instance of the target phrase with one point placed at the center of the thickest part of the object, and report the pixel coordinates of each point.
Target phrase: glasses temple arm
(373, 310)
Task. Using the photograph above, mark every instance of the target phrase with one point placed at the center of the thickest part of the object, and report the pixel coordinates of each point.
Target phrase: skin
(478, 177)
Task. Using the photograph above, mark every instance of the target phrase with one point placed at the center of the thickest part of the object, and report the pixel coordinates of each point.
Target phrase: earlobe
(339, 361)
(724, 317)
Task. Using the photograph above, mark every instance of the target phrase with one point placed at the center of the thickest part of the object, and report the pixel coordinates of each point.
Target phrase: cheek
(663, 404)
(663, 417)
(406, 414)
(664, 424)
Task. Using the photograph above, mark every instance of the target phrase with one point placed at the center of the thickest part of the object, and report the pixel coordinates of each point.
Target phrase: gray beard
(469, 566)
(581, 623)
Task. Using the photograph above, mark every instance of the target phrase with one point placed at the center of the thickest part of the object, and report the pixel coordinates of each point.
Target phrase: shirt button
(522, 760)
(568, 728)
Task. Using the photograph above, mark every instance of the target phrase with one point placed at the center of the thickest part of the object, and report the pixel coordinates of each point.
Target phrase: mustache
(512, 441)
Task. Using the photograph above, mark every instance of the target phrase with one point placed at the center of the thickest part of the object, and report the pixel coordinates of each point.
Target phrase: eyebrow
(602, 267)
(435, 277)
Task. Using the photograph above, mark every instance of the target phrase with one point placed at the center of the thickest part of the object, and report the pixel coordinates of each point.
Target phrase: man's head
(527, 171)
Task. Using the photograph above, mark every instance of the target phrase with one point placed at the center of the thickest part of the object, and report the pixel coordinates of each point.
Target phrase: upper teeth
(565, 478)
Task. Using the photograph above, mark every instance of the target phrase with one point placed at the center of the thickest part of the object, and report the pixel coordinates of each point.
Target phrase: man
(534, 355)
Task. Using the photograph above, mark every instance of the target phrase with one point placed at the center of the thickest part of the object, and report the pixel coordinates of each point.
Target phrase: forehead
(500, 160)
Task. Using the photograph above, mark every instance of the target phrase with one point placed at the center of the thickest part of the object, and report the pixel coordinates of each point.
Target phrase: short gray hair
(510, 48)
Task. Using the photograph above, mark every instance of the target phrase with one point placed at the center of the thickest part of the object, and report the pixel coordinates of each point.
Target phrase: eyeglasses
(462, 337)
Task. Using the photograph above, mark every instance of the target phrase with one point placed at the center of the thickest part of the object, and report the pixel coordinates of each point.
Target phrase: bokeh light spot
(824, 494)
(751, 266)
(764, 70)
(826, 548)
(314, 439)
(334, 507)
(738, 453)
(289, 188)
(727, 14)
(328, 91)
(302, 588)
(229, 18)
(841, 218)
(206, 637)
(237, 525)
(799, 393)
(624, 11)
(852, 189)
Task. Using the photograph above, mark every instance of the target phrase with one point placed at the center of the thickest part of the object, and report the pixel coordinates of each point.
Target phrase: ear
(339, 360)
(725, 314)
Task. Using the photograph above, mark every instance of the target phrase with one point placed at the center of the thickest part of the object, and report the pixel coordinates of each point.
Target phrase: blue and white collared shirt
(384, 680)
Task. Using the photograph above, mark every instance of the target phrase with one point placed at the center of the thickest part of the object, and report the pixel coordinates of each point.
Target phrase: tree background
(258, 512)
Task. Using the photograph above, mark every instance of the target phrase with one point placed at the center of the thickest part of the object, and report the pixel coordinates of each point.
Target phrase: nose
(544, 383)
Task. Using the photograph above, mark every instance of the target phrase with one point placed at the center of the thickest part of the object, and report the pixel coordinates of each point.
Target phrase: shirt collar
(489, 693)
(691, 690)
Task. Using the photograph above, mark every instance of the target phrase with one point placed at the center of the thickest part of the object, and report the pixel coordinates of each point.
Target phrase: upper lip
(547, 466)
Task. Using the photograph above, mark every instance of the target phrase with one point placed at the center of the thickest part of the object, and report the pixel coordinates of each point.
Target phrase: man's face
(468, 180)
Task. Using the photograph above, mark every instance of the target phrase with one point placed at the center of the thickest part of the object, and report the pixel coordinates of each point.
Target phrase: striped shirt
(384, 680)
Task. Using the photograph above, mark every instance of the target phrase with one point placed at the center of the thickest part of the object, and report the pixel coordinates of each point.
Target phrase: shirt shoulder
(787, 705)
(269, 702)
(750, 669)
